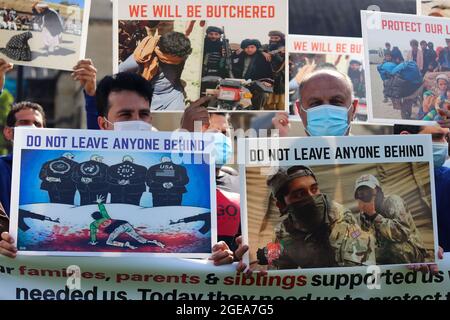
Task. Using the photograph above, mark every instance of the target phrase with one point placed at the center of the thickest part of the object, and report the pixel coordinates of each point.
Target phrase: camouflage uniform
(398, 239)
(341, 242)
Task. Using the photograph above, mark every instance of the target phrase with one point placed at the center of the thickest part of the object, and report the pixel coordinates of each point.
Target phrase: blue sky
(78, 2)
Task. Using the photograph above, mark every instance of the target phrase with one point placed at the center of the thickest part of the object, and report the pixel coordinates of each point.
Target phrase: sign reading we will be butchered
(201, 9)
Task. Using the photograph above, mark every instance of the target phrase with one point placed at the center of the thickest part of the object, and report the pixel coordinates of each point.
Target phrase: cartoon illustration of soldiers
(56, 176)
(167, 183)
(126, 181)
(90, 179)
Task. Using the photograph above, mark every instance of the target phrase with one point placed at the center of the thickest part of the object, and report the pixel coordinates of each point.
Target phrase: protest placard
(78, 192)
(47, 34)
(204, 47)
(338, 201)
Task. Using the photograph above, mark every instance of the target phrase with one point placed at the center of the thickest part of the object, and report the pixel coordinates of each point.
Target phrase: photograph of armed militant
(186, 59)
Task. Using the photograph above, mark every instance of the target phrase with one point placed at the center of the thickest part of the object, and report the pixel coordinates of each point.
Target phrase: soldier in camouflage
(397, 238)
(316, 232)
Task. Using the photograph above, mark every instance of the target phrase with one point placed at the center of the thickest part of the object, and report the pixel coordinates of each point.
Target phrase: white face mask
(134, 125)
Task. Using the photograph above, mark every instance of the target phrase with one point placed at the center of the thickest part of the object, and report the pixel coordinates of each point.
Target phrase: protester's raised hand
(5, 66)
(221, 254)
(309, 67)
(86, 73)
(7, 247)
(239, 253)
(281, 123)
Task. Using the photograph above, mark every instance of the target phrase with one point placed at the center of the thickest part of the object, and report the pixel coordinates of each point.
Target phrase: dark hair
(17, 107)
(387, 44)
(283, 191)
(399, 128)
(96, 215)
(175, 43)
(423, 41)
(120, 82)
(397, 54)
(250, 42)
(414, 42)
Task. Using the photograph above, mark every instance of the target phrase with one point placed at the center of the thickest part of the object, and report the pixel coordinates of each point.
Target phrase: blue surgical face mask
(223, 149)
(440, 154)
(327, 120)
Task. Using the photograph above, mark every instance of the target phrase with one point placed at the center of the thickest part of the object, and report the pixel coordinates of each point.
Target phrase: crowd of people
(10, 19)
(40, 17)
(419, 78)
(326, 108)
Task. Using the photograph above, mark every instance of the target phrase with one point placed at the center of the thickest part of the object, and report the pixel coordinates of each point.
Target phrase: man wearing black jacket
(249, 63)
(213, 53)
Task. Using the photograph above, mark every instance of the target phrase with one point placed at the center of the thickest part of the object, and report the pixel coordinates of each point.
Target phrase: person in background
(227, 179)
(440, 138)
(415, 54)
(22, 114)
(326, 105)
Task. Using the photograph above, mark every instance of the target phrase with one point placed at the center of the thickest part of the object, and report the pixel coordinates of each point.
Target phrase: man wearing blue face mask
(196, 117)
(326, 106)
(440, 137)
